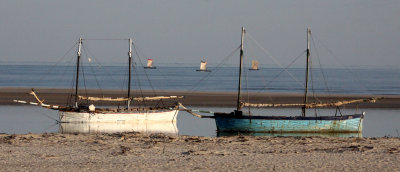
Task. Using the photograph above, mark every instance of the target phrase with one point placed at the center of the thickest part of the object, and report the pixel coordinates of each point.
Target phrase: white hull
(115, 127)
(82, 117)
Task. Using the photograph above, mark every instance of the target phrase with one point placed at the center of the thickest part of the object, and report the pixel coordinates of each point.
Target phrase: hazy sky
(360, 32)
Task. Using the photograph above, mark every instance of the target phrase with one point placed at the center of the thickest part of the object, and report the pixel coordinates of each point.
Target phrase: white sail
(150, 63)
(203, 65)
(254, 65)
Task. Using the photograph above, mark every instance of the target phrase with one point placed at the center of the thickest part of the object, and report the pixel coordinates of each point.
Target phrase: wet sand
(216, 99)
(158, 152)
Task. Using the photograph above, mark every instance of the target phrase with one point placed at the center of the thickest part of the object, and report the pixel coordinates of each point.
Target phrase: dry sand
(158, 152)
(217, 99)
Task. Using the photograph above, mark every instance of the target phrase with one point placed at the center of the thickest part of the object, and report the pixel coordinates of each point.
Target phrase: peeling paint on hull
(279, 124)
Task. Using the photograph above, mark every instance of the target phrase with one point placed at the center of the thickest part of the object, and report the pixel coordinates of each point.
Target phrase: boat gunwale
(121, 110)
(232, 116)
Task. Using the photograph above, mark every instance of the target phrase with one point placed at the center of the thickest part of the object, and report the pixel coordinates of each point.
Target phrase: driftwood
(193, 113)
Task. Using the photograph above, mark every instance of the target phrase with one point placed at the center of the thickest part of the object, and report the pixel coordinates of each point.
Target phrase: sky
(183, 32)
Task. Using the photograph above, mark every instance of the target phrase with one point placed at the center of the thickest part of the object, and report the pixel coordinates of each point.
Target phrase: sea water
(384, 81)
(33, 119)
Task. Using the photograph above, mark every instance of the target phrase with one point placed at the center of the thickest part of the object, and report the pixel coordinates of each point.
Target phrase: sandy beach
(158, 152)
(216, 99)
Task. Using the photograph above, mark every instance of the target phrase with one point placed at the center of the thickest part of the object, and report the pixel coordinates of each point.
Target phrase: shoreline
(140, 152)
(59, 96)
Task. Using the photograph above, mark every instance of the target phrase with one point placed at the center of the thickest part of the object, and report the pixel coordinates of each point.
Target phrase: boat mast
(77, 72)
(240, 70)
(307, 71)
(130, 64)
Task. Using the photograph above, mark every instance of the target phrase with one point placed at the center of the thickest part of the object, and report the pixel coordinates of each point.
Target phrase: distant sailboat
(150, 64)
(254, 65)
(203, 67)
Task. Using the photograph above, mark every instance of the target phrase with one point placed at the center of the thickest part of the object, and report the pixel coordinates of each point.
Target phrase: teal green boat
(237, 121)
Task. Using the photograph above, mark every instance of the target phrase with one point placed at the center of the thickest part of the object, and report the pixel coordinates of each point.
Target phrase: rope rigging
(92, 72)
(320, 65)
(284, 69)
(216, 69)
(313, 84)
(275, 61)
(343, 64)
(147, 76)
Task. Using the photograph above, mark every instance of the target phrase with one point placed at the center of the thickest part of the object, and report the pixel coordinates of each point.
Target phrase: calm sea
(334, 80)
(33, 119)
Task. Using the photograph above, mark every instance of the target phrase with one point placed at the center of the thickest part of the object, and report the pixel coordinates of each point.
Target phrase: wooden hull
(220, 134)
(166, 127)
(159, 115)
(227, 122)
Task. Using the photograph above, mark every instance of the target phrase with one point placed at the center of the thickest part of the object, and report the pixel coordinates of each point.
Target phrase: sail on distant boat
(150, 64)
(254, 65)
(203, 67)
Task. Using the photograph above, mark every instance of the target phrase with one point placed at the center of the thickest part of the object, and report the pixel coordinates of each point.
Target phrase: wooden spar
(36, 97)
(313, 105)
(39, 102)
(193, 113)
(238, 106)
(156, 98)
(77, 72)
(120, 99)
(307, 71)
(129, 79)
(126, 99)
(56, 107)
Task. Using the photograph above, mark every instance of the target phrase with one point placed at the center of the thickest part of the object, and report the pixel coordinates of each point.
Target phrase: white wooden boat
(164, 127)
